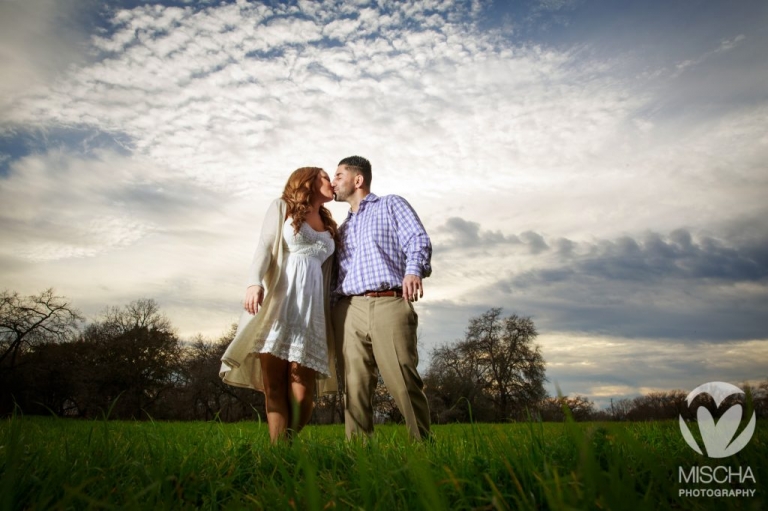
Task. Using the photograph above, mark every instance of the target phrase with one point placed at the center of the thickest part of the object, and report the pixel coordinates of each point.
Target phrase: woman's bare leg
(275, 375)
(302, 393)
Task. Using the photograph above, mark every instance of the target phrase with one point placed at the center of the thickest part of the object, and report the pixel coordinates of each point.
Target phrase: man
(383, 255)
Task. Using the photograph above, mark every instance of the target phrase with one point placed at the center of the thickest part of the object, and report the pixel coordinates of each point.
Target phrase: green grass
(48, 463)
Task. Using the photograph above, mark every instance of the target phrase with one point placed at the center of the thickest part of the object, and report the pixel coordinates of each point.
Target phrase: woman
(284, 341)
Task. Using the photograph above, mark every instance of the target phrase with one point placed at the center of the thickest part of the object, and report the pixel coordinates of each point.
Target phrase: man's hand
(254, 295)
(412, 289)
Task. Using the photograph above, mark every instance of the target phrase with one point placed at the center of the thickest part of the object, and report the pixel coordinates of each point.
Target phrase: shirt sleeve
(412, 236)
(263, 256)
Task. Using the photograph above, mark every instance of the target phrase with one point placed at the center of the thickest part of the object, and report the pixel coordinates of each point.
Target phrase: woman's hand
(254, 295)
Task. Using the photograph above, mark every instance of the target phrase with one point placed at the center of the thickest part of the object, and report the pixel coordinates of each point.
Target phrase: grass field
(49, 463)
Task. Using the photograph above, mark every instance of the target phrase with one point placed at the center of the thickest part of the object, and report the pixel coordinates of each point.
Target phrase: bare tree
(620, 409)
(384, 407)
(760, 399)
(662, 405)
(26, 324)
(141, 313)
(455, 388)
(580, 408)
(203, 394)
(203, 389)
(510, 365)
(135, 358)
(497, 361)
(329, 409)
(27, 320)
(52, 379)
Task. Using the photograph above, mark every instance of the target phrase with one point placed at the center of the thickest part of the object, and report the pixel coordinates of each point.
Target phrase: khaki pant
(380, 332)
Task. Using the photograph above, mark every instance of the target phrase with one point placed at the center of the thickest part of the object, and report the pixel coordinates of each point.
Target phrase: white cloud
(729, 44)
(38, 40)
(189, 90)
(62, 205)
(341, 29)
(726, 45)
(609, 367)
(97, 236)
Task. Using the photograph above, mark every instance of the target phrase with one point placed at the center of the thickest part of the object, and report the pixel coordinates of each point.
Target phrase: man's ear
(359, 181)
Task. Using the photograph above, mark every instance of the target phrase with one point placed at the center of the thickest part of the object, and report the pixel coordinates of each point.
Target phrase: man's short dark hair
(361, 165)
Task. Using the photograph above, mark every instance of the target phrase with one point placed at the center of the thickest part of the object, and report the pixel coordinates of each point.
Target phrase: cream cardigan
(241, 367)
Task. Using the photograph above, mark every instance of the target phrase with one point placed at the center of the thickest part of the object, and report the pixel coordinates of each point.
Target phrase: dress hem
(322, 372)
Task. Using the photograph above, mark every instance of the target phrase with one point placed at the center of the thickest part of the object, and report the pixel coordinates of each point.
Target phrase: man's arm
(415, 244)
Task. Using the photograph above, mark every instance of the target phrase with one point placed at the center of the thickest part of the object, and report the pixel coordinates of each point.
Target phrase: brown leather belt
(388, 292)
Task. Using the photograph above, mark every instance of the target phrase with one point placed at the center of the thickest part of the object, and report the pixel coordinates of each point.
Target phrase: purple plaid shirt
(381, 244)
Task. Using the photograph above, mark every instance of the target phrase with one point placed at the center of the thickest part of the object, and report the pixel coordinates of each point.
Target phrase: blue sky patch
(82, 141)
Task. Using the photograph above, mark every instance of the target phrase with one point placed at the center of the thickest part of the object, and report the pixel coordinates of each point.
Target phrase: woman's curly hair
(298, 194)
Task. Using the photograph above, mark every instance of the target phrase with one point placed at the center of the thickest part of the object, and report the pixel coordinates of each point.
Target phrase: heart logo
(718, 435)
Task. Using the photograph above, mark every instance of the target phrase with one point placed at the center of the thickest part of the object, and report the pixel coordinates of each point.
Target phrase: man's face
(343, 183)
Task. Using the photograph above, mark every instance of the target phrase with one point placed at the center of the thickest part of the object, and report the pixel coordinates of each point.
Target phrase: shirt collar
(371, 197)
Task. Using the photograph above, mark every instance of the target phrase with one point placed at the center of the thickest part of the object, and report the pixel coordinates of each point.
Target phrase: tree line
(130, 364)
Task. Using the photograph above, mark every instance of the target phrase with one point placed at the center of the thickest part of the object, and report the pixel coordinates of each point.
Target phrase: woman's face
(323, 188)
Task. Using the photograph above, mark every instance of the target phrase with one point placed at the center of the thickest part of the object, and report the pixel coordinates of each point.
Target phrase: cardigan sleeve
(270, 229)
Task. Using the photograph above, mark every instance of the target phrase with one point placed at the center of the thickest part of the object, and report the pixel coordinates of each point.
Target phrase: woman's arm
(270, 228)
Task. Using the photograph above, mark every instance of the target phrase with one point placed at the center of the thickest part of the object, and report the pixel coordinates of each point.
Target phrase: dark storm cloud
(655, 285)
(677, 255)
(648, 257)
(463, 233)
(535, 242)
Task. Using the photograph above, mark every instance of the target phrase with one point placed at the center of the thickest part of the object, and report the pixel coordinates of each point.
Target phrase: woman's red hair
(298, 194)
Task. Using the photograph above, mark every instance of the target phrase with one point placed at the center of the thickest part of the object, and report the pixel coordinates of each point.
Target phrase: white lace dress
(295, 330)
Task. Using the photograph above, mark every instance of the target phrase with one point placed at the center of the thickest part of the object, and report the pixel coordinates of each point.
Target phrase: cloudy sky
(599, 166)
